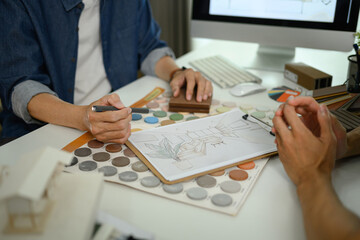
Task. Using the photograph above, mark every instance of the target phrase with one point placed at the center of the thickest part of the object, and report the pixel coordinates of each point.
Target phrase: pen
(112, 108)
(246, 116)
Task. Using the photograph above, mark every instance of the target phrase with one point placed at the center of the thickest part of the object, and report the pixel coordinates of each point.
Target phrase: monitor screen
(319, 24)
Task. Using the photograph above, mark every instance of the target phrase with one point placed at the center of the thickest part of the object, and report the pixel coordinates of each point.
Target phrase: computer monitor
(279, 26)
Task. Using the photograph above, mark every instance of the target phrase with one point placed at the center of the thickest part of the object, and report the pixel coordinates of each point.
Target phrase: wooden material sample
(180, 104)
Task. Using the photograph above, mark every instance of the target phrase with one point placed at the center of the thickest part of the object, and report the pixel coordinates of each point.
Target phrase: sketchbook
(186, 150)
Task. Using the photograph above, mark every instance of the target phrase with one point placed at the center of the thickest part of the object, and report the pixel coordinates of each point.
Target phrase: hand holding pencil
(108, 125)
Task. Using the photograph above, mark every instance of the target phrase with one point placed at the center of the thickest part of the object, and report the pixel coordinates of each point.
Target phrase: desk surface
(272, 210)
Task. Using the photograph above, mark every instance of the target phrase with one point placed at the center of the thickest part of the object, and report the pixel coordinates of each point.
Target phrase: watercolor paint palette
(224, 191)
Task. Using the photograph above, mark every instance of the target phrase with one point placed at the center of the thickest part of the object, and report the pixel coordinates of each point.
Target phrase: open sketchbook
(184, 150)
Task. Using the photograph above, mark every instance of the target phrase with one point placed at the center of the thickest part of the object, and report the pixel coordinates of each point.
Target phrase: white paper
(187, 148)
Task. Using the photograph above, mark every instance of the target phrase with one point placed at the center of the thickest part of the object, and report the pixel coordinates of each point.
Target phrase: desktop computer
(278, 26)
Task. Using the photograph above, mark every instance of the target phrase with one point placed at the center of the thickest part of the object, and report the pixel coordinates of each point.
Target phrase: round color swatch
(120, 161)
(262, 109)
(219, 173)
(139, 167)
(221, 200)
(151, 120)
(215, 102)
(82, 152)
(95, 144)
(136, 116)
(165, 108)
(259, 115)
(152, 105)
(73, 162)
(167, 122)
(247, 166)
(161, 100)
(176, 116)
(229, 104)
(128, 176)
(246, 107)
(196, 193)
(223, 109)
(201, 115)
(160, 114)
(114, 147)
(129, 153)
(101, 156)
(206, 181)
(108, 171)
(271, 116)
(167, 94)
(173, 188)
(192, 118)
(238, 175)
(150, 181)
(87, 166)
(230, 187)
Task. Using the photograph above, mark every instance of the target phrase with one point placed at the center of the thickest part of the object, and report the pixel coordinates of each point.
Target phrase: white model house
(27, 186)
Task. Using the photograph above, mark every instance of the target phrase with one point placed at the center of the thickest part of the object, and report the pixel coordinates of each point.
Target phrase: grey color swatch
(82, 152)
(139, 167)
(230, 187)
(196, 193)
(206, 181)
(150, 181)
(173, 188)
(128, 176)
(221, 200)
(108, 171)
(87, 166)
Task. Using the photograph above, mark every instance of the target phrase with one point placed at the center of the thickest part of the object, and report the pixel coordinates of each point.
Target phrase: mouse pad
(281, 94)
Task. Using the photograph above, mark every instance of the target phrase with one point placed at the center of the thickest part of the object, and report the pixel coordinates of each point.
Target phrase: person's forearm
(324, 215)
(164, 67)
(353, 143)
(48, 108)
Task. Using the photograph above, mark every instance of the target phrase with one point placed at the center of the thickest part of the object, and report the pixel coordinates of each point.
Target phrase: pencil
(112, 108)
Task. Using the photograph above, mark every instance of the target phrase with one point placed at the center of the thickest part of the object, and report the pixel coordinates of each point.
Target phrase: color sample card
(223, 191)
(281, 94)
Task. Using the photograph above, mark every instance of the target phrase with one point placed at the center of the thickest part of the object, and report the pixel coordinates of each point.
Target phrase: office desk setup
(272, 209)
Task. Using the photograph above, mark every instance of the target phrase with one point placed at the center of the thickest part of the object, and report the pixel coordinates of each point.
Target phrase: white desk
(272, 210)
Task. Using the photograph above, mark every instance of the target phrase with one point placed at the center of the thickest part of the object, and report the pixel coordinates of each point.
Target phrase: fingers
(281, 129)
(307, 103)
(192, 79)
(292, 118)
(324, 122)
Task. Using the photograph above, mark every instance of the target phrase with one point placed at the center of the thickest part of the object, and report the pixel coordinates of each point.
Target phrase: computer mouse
(243, 89)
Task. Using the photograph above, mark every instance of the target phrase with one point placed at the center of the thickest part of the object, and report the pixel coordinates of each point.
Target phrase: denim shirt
(39, 42)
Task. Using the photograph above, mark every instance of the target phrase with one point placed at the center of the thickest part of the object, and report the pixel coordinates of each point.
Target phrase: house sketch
(27, 188)
(187, 145)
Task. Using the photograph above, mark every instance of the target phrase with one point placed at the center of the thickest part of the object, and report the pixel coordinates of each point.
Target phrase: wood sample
(180, 104)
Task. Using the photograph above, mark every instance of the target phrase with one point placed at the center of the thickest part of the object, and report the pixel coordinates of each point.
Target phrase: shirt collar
(70, 4)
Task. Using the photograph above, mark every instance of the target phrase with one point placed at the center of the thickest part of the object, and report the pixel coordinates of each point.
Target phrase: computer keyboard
(222, 72)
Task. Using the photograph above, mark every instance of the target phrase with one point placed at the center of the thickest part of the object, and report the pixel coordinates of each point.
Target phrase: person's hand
(191, 79)
(305, 156)
(109, 126)
(307, 107)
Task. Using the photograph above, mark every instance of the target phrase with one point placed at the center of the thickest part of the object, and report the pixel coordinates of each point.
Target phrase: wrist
(173, 72)
(312, 182)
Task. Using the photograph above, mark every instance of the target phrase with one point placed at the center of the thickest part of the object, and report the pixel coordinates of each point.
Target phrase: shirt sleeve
(22, 95)
(148, 65)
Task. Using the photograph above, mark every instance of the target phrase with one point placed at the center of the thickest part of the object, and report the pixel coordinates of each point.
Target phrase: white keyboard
(222, 72)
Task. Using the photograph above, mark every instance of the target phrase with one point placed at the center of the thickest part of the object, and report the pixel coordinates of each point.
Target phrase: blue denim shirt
(39, 42)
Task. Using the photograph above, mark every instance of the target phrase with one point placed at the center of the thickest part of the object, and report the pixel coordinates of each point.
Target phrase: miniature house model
(27, 186)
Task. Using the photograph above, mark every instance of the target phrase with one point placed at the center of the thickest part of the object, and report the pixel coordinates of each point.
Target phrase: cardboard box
(307, 76)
